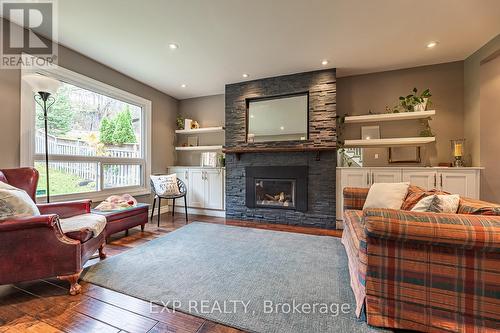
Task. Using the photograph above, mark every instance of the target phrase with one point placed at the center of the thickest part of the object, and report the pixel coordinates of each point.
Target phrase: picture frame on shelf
(405, 155)
(370, 132)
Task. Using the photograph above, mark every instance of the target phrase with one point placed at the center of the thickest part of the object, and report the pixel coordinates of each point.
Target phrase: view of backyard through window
(92, 127)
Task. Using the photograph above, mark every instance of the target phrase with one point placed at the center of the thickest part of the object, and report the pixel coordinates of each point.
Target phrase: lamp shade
(40, 83)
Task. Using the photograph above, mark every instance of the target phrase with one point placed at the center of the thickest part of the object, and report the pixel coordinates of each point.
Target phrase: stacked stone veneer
(321, 86)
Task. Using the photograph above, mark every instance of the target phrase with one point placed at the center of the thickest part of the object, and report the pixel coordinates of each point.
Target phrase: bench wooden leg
(126, 232)
(102, 252)
(74, 288)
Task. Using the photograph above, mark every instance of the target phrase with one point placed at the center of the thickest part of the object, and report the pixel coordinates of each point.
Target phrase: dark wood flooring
(45, 306)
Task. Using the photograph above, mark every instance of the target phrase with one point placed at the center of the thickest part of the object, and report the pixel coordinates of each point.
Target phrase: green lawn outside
(61, 182)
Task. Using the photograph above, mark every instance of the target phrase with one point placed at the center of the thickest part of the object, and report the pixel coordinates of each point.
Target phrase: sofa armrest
(355, 197)
(66, 209)
(28, 222)
(457, 230)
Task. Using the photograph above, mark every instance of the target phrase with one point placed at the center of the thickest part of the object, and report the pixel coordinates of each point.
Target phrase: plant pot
(421, 106)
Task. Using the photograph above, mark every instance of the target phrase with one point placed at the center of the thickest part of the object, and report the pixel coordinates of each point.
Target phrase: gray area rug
(255, 280)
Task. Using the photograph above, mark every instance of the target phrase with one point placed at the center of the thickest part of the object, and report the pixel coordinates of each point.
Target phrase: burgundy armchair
(35, 247)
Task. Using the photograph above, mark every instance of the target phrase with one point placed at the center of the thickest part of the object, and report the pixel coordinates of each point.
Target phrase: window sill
(97, 196)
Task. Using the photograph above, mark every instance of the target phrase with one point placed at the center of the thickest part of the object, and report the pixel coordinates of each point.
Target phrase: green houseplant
(414, 101)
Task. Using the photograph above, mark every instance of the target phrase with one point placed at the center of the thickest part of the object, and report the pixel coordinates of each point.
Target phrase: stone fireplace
(289, 182)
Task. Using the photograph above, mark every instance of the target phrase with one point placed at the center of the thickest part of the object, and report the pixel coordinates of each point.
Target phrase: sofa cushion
(386, 195)
(15, 202)
(415, 194)
(93, 222)
(477, 207)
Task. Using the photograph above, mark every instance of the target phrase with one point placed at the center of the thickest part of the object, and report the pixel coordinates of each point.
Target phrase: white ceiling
(221, 39)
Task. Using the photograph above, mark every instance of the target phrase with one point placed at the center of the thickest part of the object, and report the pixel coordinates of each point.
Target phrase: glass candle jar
(458, 151)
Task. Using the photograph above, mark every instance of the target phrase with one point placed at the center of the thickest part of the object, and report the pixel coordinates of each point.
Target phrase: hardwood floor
(45, 306)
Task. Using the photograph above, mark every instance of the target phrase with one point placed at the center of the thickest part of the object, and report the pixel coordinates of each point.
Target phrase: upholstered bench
(122, 220)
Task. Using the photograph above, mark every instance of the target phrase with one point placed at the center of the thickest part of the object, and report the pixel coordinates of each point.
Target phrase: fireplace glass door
(275, 193)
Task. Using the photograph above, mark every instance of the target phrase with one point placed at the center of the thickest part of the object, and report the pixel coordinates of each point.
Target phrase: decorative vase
(187, 123)
(421, 106)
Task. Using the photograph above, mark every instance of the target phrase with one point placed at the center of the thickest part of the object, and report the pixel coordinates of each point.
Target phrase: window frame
(28, 128)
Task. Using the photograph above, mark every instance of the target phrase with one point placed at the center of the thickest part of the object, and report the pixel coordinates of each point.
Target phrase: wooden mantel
(243, 150)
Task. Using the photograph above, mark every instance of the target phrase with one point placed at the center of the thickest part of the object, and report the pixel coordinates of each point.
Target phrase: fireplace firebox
(283, 187)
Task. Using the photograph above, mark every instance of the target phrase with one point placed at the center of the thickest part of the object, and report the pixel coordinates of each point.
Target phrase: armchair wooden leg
(74, 288)
(102, 252)
(142, 227)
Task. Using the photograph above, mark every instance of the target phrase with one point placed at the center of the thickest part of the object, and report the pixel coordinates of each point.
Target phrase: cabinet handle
(435, 180)
(373, 179)
(186, 174)
(441, 180)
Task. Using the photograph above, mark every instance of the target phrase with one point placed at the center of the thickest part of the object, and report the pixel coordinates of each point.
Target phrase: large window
(97, 138)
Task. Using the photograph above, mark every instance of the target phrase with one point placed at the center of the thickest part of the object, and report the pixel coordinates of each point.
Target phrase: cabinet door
(214, 192)
(196, 190)
(426, 179)
(392, 175)
(355, 177)
(182, 174)
(460, 182)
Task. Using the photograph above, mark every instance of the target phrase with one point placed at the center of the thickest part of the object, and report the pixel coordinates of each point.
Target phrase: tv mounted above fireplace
(278, 118)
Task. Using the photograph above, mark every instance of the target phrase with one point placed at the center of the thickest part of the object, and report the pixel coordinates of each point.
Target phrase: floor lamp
(44, 87)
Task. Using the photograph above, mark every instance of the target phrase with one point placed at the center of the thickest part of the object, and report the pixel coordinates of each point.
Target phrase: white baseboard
(201, 211)
(163, 210)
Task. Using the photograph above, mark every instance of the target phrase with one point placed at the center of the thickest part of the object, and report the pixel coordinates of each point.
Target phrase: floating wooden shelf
(198, 148)
(218, 129)
(389, 117)
(389, 142)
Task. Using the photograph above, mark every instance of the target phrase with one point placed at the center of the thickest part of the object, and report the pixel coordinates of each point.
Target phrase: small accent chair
(182, 194)
(34, 247)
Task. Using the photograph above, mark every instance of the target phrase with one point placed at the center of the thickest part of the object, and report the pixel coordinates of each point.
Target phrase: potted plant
(414, 102)
(180, 122)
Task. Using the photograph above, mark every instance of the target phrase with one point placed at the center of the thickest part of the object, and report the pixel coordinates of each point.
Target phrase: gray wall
(357, 95)
(164, 109)
(490, 129)
(472, 83)
(209, 112)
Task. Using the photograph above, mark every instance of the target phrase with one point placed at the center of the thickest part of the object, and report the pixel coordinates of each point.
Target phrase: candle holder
(458, 150)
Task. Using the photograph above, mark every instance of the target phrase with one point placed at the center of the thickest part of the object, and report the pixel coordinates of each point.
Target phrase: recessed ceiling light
(173, 46)
(282, 128)
(432, 44)
(183, 85)
(245, 75)
(324, 62)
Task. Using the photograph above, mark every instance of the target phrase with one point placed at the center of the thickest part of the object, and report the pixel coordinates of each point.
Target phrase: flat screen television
(282, 118)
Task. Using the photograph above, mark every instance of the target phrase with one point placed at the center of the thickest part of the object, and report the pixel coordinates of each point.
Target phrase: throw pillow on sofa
(386, 195)
(15, 202)
(438, 204)
(415, 194)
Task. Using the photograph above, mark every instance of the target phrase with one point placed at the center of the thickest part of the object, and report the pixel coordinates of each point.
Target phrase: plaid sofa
(424, 271)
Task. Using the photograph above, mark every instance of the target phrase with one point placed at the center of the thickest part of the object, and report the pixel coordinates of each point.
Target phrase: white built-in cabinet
(462, 181)
(205, 188)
